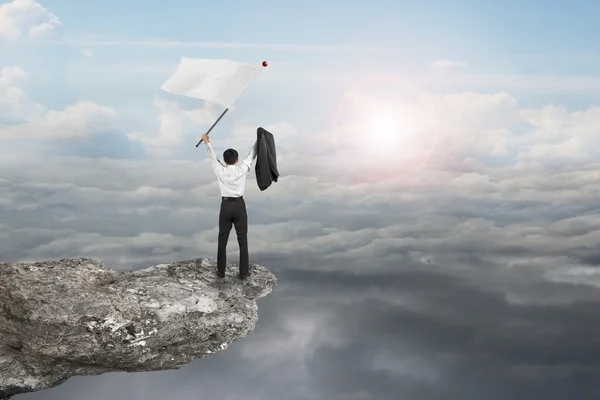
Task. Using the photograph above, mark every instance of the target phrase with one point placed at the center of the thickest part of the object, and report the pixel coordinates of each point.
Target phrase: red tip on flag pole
(264, 64)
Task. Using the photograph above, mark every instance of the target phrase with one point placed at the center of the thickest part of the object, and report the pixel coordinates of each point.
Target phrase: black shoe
(218, 274)
(244, 276)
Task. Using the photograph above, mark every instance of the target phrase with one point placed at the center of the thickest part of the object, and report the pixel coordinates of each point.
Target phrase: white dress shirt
(231, 178)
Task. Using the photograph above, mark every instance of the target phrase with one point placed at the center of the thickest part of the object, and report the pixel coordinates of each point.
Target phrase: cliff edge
(71, 317)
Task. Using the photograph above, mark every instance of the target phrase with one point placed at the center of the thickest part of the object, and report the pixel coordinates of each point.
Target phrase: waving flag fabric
(216, 80)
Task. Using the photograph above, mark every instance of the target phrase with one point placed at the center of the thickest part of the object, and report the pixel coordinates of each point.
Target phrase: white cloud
(26, 19)
(171, 130)
(304, 332)
(445, 64)
(532, 83)
(79, 120)
(8, 75)
(169, 44)
(242, 137)
(451, 132)
(460, 132)
(560, 136)
(187, 191)
(29, 120)
(433, 80)
(167, 209)
(87, 52)
(14, 102)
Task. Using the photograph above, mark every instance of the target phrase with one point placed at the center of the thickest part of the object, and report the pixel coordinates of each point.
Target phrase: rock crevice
(71, 317)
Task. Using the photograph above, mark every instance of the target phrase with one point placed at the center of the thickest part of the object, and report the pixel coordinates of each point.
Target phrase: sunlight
(384, 129)
(381, 139)
(389, 132)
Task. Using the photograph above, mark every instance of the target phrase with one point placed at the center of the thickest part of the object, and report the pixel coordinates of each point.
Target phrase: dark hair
(230, 156)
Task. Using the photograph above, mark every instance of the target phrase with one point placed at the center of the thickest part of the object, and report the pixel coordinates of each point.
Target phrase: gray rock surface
(79, 317)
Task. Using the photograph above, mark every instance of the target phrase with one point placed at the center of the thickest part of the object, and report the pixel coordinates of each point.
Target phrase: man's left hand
(205, 138)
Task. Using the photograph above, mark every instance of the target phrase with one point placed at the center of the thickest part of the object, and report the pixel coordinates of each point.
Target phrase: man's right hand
(205, 138)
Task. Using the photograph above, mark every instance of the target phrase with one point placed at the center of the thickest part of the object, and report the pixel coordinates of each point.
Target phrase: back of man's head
(230, 156)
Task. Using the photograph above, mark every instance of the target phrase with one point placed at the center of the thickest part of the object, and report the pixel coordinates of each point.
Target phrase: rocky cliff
(79, 317)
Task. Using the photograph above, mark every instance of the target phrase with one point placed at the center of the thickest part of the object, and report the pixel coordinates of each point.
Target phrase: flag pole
(213, 125)
(264, 64)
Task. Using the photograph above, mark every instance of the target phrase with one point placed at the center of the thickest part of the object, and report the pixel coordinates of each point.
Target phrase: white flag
(215, 80)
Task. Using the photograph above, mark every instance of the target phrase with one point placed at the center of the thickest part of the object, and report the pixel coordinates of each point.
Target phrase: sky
(433, 229)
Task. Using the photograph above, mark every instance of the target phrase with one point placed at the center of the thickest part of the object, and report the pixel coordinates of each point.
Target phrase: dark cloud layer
(413, 335)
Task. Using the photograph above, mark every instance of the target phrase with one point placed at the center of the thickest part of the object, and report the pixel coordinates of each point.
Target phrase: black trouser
(233, 211)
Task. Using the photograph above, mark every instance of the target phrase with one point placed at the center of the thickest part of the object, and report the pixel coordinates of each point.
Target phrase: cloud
(9, 75)
(26, 19)
(469, 273)
(457, 132)
(466, 132)
(80, 120)
(165, 43)
(15, 106)
(560, 136)
(172, 130)
(243, 136)
(26, 120)
(531, 83)
(404, 365)
(445, 64)
(151, 197)
(291, 353)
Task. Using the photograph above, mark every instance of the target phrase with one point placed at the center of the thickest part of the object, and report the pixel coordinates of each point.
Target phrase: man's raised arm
(213, 157)
(251, 156)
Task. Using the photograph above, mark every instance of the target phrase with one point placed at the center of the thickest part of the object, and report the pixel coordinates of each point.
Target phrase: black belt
(232, 198)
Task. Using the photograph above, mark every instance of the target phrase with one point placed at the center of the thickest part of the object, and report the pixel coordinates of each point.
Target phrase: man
(232, 182)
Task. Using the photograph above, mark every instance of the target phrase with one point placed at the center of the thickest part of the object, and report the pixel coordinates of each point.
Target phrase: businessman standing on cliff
(231, 177)
(232, 183)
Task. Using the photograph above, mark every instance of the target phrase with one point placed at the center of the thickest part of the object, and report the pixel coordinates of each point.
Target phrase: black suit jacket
(266, 159)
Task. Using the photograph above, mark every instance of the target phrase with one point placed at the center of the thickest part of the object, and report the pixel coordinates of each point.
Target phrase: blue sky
(491, 37)
(435, 157)
(127, 64)
(514, 26)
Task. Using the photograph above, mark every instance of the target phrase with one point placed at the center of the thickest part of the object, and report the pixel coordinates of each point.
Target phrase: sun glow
(378, 140)
(389, 132)
(384, 129)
